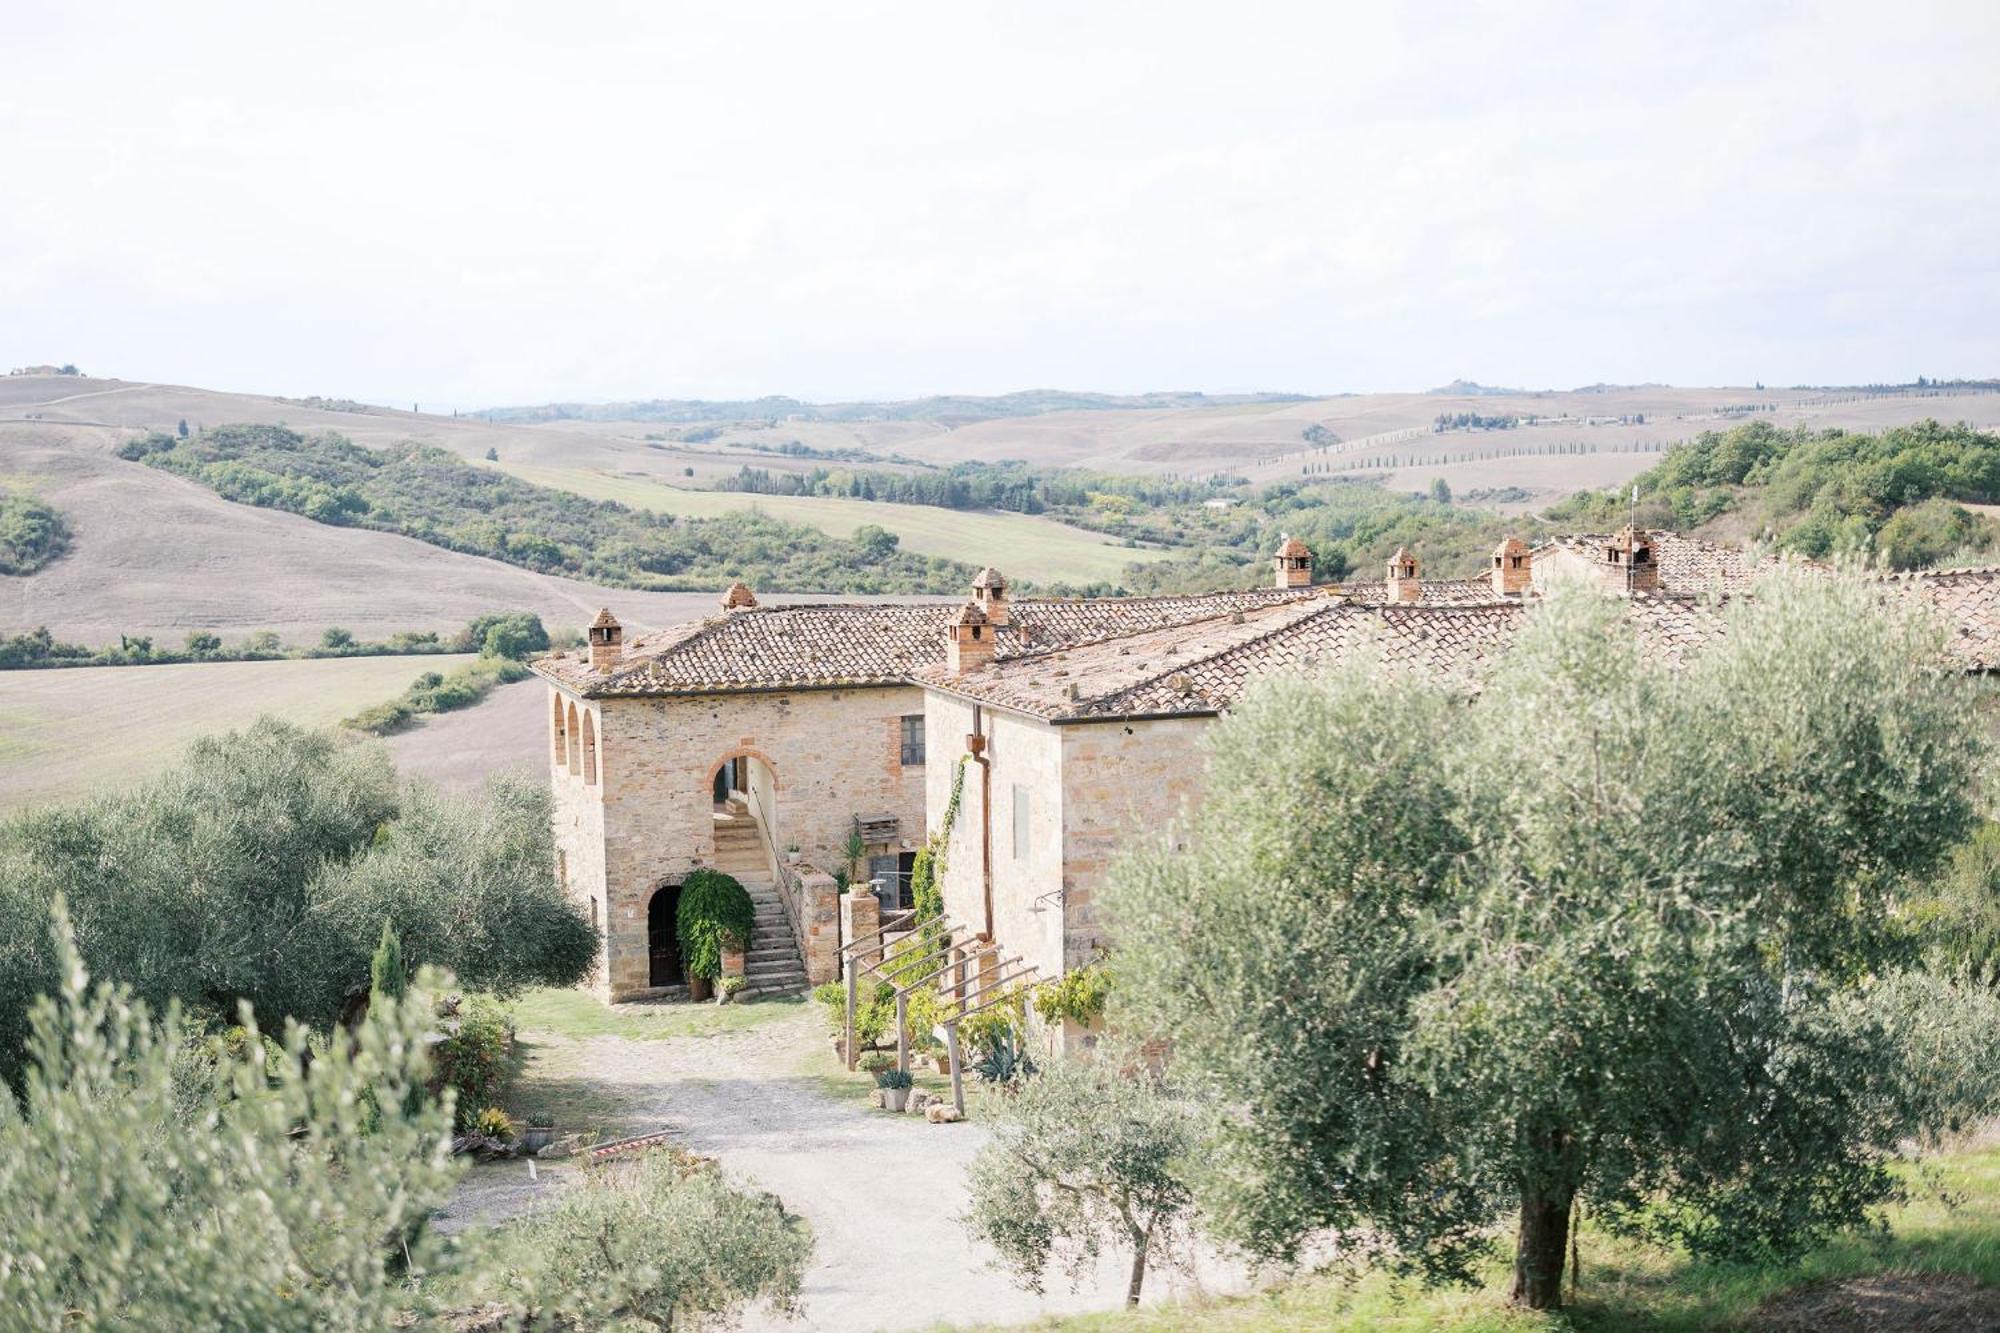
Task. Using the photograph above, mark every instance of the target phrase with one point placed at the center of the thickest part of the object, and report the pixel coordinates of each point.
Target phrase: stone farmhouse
(764, 740)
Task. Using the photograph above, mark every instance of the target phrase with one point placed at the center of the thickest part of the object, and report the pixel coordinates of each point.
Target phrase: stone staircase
(771, 965)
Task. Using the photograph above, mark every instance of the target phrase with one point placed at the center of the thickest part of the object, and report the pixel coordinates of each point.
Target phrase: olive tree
(660, 1243)
(154, 1179)
(1595, 934)
(261, 869)
(1093, 1152)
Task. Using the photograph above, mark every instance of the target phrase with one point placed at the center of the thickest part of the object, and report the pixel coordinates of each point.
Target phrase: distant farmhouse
(1046, 733)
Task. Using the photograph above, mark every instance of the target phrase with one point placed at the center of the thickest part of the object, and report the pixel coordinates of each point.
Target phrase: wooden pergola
(970, 974)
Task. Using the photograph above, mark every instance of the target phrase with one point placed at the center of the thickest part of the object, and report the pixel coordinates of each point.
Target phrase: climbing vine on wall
(925, 894)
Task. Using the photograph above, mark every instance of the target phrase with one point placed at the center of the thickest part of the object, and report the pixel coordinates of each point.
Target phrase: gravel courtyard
(881, 1191)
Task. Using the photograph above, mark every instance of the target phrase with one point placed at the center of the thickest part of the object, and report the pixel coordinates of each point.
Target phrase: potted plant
(714, 911)
(728, 988)
(791, 853)
(854, 849)
(895, 1085)
(539, 1133)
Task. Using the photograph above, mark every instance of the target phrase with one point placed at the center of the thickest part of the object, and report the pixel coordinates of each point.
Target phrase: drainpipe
(975, 745)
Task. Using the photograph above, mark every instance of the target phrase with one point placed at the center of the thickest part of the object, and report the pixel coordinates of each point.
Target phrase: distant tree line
(1012, 486)
(509, 634)
(435, 496)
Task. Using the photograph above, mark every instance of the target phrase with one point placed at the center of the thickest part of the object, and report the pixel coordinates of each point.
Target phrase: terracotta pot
(700, 988)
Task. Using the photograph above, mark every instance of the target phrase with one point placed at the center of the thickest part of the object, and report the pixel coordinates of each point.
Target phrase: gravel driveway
(882, 1192)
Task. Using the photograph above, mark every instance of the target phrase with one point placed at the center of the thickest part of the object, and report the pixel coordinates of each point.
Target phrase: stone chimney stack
(1512, 571)
(738, 597)
(1628, 562)
(1293, 564)
(968, 643)
(1401, 586)
(989, 594)
(607, 641)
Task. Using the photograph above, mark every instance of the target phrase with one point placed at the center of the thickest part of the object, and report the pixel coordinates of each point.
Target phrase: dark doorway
(734, 775)
(663, 938)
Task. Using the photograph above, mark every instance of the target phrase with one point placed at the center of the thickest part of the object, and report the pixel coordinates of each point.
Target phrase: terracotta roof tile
(1201, 669)
(831, 645)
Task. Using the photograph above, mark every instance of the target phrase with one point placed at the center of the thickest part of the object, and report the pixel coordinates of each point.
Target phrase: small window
(1020, 822)
(913, 740)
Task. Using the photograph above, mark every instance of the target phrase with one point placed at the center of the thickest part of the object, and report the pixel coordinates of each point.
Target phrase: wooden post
(957, 1080)
(902, 1032)
(853, 978)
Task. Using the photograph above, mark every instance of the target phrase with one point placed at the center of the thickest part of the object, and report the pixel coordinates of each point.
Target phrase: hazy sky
(495, 203)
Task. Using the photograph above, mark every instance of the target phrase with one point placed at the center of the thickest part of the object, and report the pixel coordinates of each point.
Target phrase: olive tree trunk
(1541, 1245)
(1141, 1242)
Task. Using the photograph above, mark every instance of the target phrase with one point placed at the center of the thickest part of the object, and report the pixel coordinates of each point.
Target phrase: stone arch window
(561, 730)
(575, 749)
(589, 749)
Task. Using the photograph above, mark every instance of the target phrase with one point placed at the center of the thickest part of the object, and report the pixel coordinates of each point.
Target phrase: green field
(1022, 545)
(65, 732)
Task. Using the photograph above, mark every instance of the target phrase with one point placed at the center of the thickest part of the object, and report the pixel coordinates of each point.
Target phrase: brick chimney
(1293, 563)
(1400, 585)
(738, 597)
(968, 642)
(989, 594)
(607, 641)
(1512, 571)
(1629, 564)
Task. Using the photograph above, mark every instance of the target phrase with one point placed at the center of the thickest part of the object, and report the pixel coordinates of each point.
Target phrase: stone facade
(1066, 798)
(821, 757)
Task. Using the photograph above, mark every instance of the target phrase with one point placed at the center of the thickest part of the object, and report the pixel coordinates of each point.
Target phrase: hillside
(150, 552)
(1914, 496)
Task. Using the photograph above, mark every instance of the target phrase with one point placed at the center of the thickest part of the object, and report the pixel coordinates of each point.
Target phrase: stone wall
(579, 826)
(1123, 783)
(832, 754)
(1093, 789)
(1025, 754)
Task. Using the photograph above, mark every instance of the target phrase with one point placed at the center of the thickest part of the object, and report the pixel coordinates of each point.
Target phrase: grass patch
(438, 692)
(1025, 546)
(1952, 1225)
(577, 1015)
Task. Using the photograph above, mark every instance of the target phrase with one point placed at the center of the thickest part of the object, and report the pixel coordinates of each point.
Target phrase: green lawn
(1022, 545)
(576, 1015)
(1951, 1226)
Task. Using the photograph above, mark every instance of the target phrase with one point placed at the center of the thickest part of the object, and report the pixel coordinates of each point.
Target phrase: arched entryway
(732, 776)
(663, 946)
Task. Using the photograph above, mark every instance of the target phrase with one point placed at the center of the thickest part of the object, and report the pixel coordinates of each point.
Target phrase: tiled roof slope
(1688, 566)
(1201, 669)
(1120, 653)
(1969, 602)
(863, 644)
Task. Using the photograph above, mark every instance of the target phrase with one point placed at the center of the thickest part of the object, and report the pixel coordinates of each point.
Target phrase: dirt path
(882, 1192)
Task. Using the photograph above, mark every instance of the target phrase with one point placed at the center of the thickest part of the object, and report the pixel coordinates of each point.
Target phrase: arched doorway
(732, 776)
(663, 947)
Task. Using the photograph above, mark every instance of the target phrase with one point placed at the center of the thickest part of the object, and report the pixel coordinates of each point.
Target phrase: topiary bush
(715, 911)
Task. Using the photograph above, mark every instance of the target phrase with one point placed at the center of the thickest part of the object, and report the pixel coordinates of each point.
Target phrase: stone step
(769, 980)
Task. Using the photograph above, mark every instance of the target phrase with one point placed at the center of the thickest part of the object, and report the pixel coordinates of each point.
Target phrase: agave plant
(1005, 1061)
